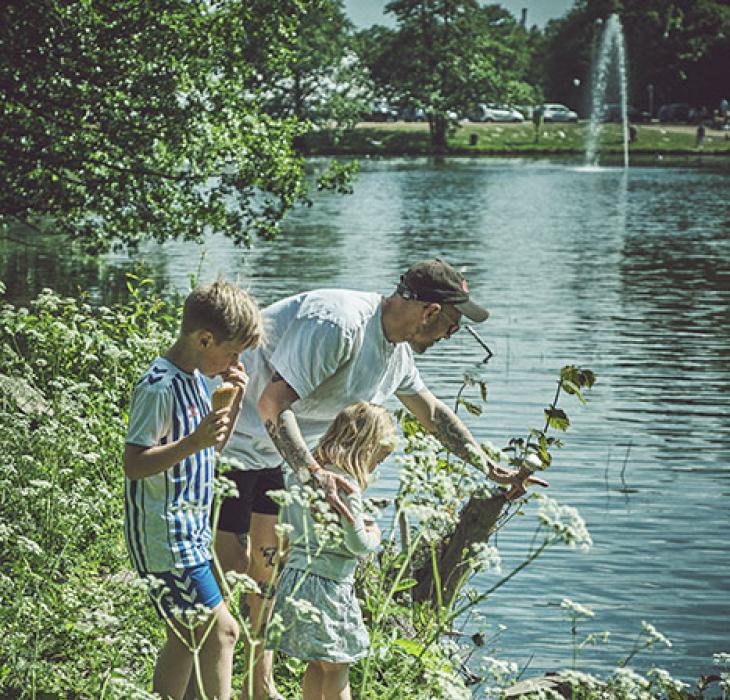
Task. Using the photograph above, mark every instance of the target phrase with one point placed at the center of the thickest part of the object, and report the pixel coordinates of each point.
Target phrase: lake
(627, 273)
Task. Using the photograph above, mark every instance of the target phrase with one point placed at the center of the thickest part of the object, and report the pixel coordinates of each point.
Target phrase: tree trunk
(437, 125)
(476, 524)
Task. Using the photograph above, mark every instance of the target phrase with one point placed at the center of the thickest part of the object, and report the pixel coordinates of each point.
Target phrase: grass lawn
(403, 138)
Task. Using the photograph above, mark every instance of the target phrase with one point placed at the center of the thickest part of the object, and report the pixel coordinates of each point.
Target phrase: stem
(574, 632)
(478, 599)
(384, 605)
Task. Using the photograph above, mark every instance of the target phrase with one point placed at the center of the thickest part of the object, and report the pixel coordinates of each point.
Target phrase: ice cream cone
(224, 396)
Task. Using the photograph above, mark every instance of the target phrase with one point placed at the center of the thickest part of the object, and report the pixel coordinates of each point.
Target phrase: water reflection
(628, 273)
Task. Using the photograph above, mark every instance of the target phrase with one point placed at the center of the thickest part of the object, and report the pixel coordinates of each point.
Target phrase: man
(325, 350)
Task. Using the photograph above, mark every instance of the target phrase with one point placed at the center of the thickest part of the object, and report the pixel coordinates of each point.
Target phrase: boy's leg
(216, 654)
(173, 668)
(335, 681)
(312, 683)
(215, 639)
(263, 567)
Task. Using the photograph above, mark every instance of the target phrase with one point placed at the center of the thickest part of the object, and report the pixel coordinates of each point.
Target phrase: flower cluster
(565, 523)
(576, 608)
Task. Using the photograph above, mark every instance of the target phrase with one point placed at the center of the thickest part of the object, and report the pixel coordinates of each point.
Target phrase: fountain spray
(611, 47)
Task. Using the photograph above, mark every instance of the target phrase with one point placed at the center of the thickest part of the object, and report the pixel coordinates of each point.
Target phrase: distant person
(537, 121)
(322, 573)
(169, 462)
(700, 136)
(633, 133)
(724, 110)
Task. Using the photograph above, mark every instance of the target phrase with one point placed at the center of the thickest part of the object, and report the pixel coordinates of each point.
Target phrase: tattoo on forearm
(287, 437)
(455, 437)
(269, 553)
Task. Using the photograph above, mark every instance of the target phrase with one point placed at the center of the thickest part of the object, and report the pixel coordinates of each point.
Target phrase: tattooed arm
(446, 426)
(281, 424)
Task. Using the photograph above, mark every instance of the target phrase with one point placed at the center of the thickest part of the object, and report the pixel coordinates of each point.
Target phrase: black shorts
(253, 484)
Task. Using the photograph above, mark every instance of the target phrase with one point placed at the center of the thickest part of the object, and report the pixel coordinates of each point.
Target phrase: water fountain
(611, 52)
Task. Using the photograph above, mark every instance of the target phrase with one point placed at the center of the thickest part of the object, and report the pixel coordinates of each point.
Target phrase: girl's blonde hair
(359, 435)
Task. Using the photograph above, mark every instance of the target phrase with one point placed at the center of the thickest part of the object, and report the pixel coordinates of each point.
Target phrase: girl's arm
(358, 538)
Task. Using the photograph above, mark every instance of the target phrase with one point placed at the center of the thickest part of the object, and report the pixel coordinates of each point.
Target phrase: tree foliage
(681, 47)
(323, 79)
(446, 55)
(122, 121)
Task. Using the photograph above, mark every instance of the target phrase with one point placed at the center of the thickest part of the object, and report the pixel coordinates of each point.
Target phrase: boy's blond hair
(225, 310)
(358, 435)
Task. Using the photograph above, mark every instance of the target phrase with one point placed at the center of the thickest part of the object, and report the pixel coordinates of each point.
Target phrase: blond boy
(169, 463)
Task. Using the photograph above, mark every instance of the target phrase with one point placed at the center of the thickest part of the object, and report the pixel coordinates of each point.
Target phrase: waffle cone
(223, 396)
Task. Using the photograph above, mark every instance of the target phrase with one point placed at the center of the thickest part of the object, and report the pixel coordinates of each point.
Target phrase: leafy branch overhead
(123, 121)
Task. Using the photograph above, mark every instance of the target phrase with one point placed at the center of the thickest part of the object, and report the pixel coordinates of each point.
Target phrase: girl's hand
(236, 375)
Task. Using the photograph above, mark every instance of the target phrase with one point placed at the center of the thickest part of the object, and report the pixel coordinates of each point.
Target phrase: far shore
(654, 143)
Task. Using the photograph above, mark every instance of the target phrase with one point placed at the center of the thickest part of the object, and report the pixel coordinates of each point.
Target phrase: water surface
(626, 273)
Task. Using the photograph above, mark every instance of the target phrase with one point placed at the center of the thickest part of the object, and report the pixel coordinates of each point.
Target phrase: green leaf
(483, 390)
(405, 584)
(571, 388)
(410, 646)
(587, 378)
(473, 408)
(557, 418)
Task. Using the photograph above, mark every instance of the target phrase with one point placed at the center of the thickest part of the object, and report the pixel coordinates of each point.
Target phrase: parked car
(612, 113)
(382, 112)
(553, 112)
(495, 113)
(412, 114)
(675, 112)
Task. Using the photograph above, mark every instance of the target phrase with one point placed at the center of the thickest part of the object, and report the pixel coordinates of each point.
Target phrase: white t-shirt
(329, 346)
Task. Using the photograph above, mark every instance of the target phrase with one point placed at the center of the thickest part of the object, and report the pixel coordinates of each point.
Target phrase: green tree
(122, 121)
(446, 55)
(680, 47)
(323, 79)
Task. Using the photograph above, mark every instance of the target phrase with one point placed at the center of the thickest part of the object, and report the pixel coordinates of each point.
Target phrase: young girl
(322, 574)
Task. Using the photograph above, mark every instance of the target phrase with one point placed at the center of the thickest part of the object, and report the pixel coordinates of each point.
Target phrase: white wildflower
(630, 683)
(532, 462)
(283, 530)
(223, 487)
(281, 497)
(247, 584)
(27, 545)
(498, 669)
(580, 680)
(654, 635)
(565, 522)
(576, 608)
(304, 610)
(722, 658)
(666, 682)
(485, 557)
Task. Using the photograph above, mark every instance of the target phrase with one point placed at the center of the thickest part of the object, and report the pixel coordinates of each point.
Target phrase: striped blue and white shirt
(167, 515)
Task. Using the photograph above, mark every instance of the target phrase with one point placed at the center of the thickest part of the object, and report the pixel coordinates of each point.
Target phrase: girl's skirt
(321, 619)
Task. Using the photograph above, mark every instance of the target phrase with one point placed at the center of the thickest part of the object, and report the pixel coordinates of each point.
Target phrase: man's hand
(331, 484)
(518, 479)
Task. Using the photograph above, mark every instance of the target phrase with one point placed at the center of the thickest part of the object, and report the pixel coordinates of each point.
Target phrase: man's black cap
(436, 281)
